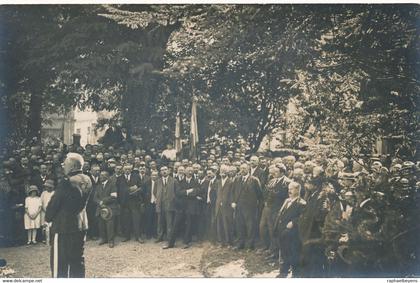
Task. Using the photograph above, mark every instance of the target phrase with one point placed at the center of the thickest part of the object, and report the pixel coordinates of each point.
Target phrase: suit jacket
(103, 193)
(224, 196)
(214, 188)
(64, 208)
(147, 191)
(260, 175)
(94, 183)
(188, 202)
(39, 180)
(312, 219)
(165, 195)
(275, 193)
(123, 186)
(289, 214)
(247, 194)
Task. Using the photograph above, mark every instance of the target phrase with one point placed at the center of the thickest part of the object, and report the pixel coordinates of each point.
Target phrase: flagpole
(193, 130)
(178, 131)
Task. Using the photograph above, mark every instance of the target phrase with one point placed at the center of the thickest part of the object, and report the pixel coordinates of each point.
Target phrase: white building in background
(63, 126)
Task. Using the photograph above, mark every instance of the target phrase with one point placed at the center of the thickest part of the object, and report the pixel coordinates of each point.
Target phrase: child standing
(45, 199)
(32, 219)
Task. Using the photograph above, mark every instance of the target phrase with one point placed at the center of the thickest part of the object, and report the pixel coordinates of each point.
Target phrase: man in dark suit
(311, 222)
(224, 211)
(286, 228)
(261, 175)
(200, 227)
(63, 211)
(211, 187)
(247, 198)
(165, 203)
(275, 192)
(146, 195)
(257, 172)
(150, 212)
(91, 206)
(106, 197)
(130, 191)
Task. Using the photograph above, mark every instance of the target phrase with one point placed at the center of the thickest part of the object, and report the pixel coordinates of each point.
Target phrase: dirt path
(144, 260)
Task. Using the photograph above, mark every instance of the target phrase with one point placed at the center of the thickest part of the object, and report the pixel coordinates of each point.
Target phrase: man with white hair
(286, 229)
(64, 211)
(247, 197)
(275, 192)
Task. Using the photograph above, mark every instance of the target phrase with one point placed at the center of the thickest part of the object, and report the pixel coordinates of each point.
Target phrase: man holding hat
(108, 208)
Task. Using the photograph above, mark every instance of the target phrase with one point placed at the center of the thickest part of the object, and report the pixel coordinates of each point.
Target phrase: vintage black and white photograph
(209, 140)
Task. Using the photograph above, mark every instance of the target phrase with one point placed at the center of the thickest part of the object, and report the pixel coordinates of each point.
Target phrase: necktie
(164, 181)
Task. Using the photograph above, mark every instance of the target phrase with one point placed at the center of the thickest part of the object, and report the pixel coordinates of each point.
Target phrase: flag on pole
(194, 130)
(178, 143)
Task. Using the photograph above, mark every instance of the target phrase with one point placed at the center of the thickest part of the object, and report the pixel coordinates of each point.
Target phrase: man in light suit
(165, 203)
(224, 211)
(247, 198)
(286, 228)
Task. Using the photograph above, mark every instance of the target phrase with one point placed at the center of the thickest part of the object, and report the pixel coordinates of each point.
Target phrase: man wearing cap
(63, 211)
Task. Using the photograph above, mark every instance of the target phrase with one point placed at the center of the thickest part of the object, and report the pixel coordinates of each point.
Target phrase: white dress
(32, 204)
(45, 199)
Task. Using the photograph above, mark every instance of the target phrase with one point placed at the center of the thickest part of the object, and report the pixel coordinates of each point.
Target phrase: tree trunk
(256, 142)
(35, 118)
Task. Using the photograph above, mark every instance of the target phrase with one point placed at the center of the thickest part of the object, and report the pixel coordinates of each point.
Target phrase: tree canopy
(350, 70)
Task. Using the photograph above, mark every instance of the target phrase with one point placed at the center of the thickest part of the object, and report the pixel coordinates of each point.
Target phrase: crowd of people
(317, 216)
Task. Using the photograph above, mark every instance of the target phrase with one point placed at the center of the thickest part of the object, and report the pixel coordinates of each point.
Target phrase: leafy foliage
(351, 71)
